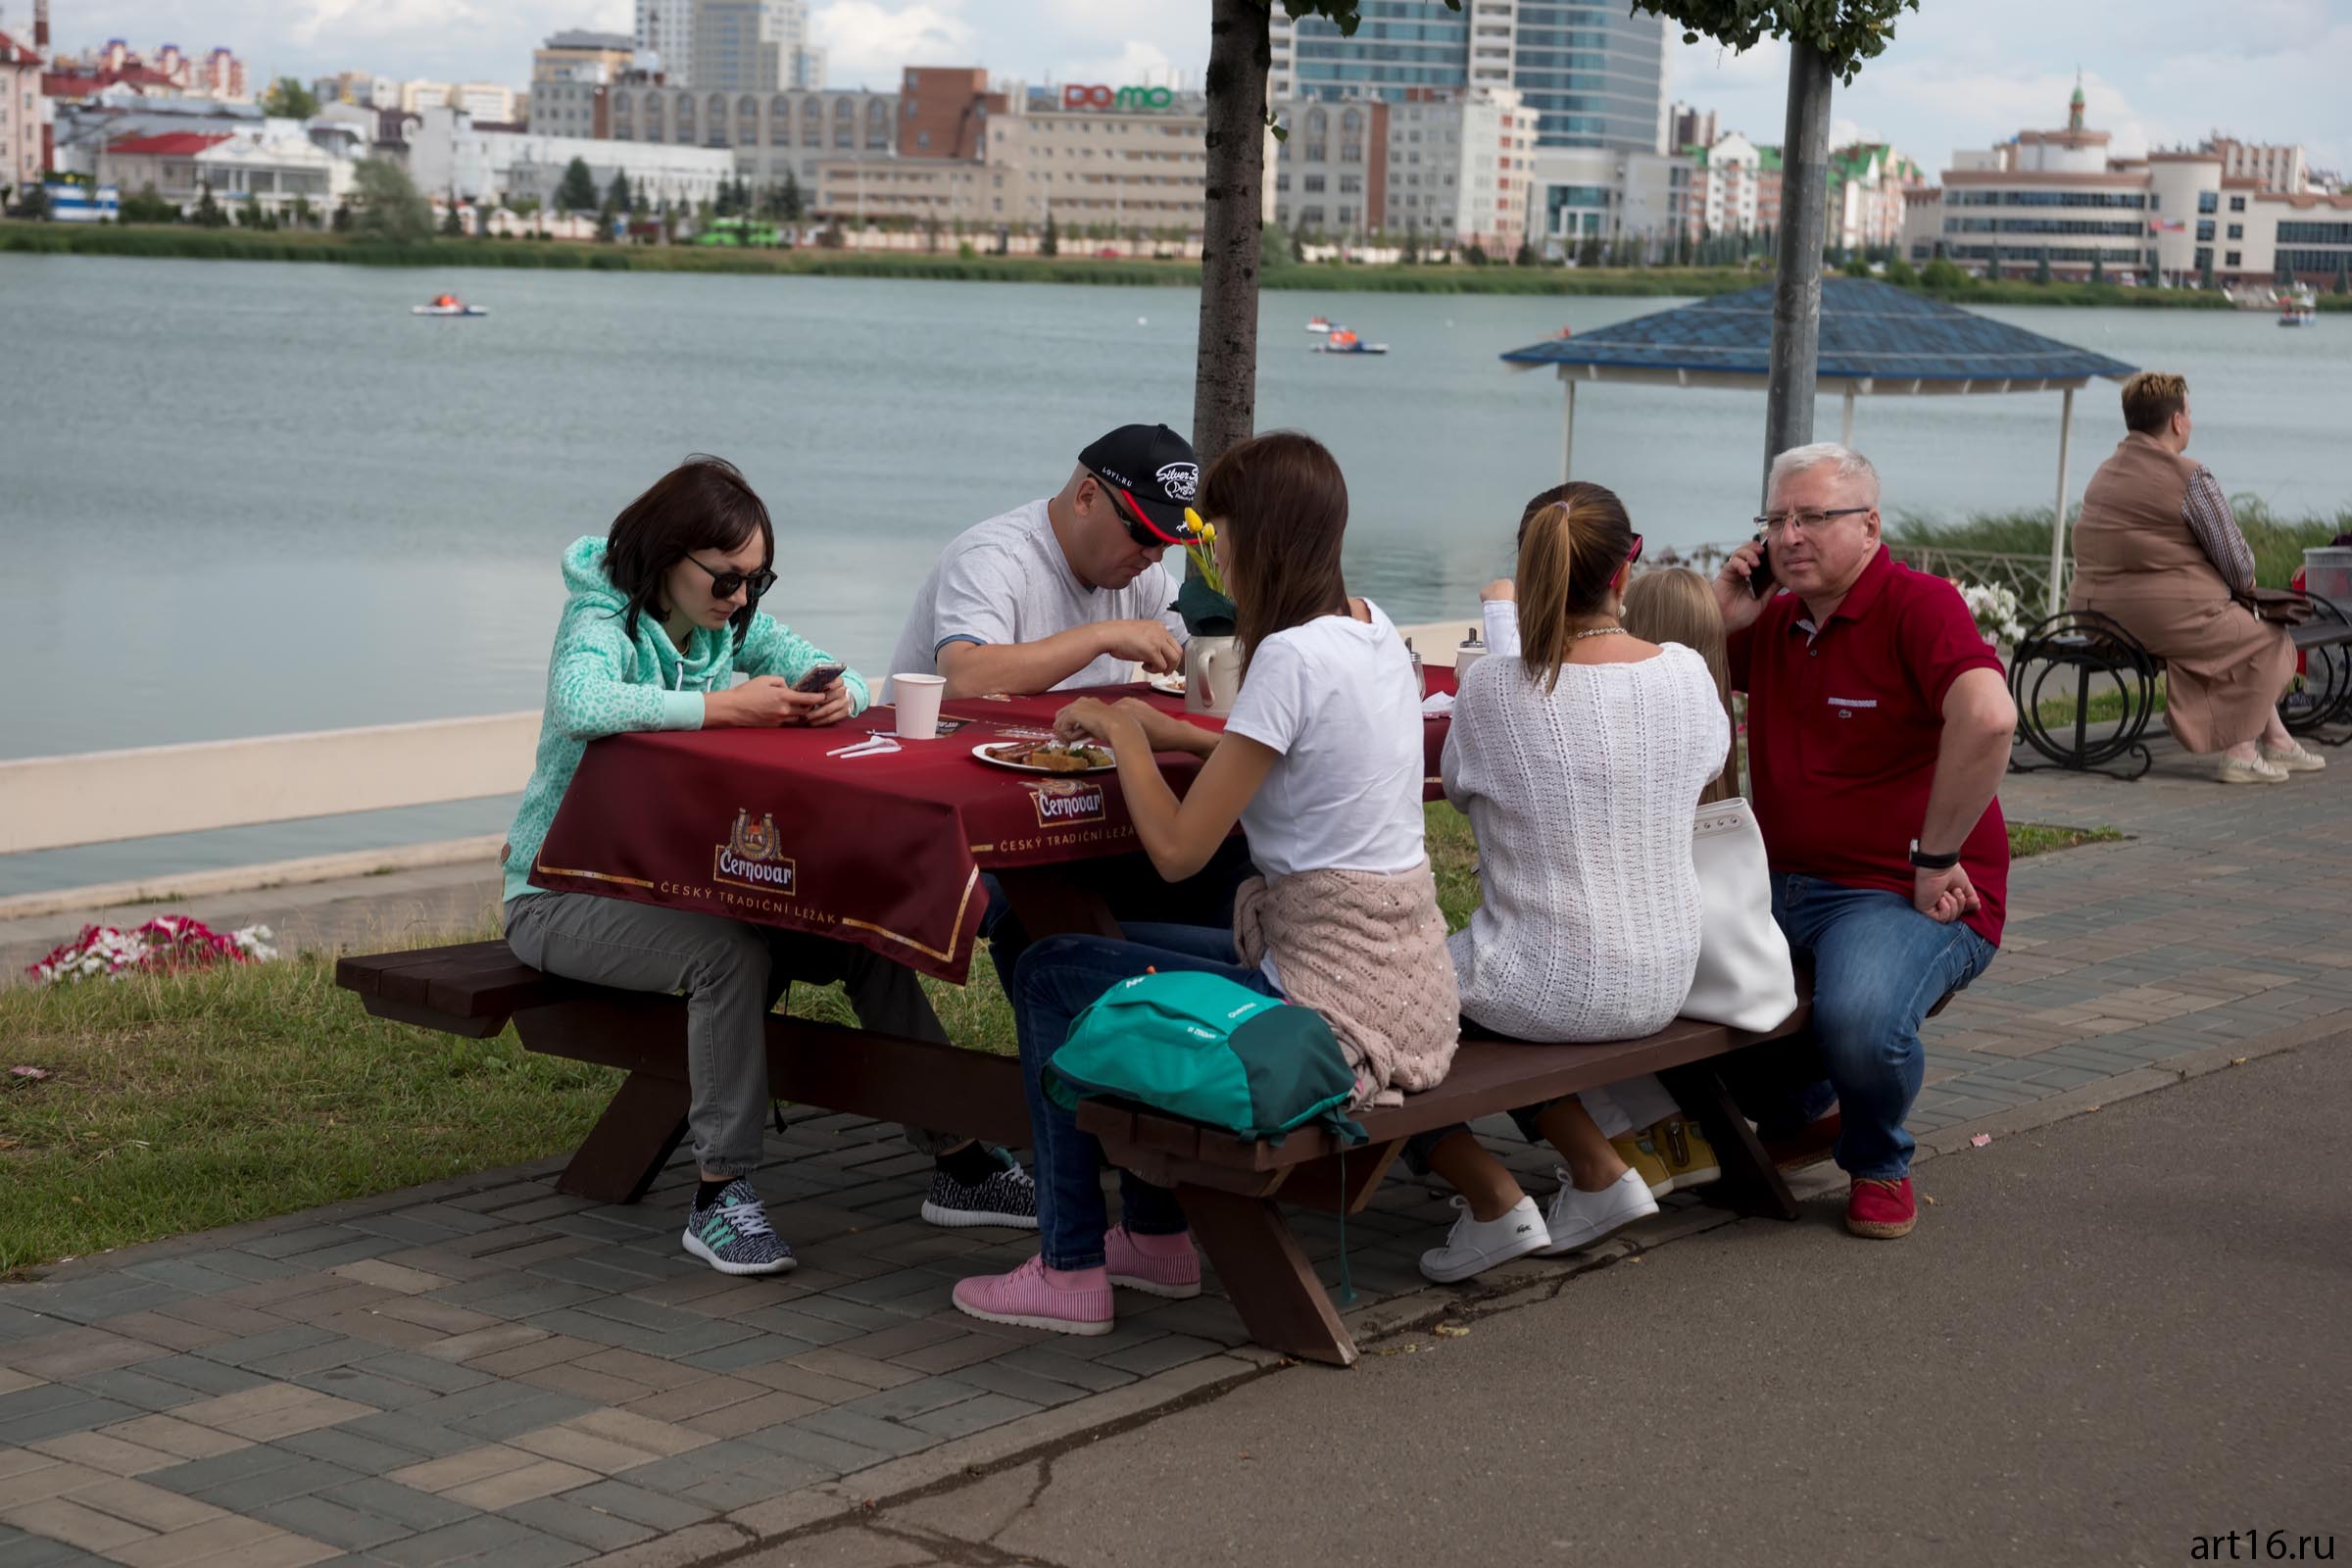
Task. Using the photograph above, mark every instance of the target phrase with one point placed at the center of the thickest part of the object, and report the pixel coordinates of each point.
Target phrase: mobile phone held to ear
(1759, 581)
(818, 678)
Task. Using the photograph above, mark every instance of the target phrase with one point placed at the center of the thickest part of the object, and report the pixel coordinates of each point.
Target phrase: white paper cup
(917, 699)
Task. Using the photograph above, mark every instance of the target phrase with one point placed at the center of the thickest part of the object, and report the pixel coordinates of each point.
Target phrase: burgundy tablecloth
(887, 851)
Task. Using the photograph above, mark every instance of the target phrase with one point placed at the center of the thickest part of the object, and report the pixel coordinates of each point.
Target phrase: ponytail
(1569, 554)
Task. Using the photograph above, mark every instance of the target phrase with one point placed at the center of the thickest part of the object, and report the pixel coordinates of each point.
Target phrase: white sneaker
(2258, 771)
(2293, 757)
(1475, 1245)
(1579, 1218)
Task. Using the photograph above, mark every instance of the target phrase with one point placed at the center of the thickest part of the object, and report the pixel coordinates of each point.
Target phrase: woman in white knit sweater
(1579, 765)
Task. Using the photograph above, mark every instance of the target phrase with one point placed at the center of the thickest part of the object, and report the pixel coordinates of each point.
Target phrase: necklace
(1600, 631)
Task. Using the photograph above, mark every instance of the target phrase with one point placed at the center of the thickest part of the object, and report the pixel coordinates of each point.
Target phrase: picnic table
(884, 850)
(888, 851)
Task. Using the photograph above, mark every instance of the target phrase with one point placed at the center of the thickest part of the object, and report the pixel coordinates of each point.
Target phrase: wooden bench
(1233, 1191)
(474, 989)
(2096, 653)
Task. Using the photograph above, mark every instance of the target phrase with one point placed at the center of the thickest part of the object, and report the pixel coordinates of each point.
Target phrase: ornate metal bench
(2096, 657)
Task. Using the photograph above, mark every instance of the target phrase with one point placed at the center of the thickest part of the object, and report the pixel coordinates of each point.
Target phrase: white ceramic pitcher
(1212, 675)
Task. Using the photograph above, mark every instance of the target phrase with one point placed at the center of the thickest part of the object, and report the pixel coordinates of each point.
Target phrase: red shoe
(1809, 1144)
(1880, 1210)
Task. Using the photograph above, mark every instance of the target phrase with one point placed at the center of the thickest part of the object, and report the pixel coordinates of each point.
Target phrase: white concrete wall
(55, 803)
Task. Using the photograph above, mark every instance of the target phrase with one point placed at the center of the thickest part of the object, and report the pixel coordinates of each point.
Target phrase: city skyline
(2156, 72)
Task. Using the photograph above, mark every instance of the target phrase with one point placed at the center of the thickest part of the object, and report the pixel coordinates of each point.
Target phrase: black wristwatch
(1933, 863)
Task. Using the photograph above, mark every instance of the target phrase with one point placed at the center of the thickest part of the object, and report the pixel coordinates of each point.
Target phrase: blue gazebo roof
(1875, 337)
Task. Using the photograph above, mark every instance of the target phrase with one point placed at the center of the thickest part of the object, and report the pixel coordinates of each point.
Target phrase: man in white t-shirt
(1067, 591)
(1064, 593)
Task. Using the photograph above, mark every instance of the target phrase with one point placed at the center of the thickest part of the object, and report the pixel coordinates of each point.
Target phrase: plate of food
(1167, 685)
(1047, 756)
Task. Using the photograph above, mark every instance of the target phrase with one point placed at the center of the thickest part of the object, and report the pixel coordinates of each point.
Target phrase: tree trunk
(1225, 378)
(1797, 292)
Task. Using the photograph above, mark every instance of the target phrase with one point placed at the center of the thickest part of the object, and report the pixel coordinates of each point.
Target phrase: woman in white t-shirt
(1580, 763)
(1321, 762)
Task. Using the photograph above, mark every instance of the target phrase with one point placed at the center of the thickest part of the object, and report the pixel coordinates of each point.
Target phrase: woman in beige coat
(2157, 548)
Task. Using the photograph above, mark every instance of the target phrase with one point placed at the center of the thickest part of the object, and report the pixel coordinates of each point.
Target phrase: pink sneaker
(1156, 1265)
(1035, 1297)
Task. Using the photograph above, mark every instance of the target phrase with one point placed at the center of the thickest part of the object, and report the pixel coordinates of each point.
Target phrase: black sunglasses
(1131, 513)
(724, 583)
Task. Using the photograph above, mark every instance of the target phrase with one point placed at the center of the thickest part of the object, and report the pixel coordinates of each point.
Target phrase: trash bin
(2328, 572)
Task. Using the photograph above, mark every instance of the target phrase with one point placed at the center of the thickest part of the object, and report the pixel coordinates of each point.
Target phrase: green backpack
(1202, 1046)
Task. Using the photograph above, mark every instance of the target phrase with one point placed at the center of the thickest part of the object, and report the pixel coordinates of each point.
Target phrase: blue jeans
(1878, 965)
(1129, 886)
(1060, 978)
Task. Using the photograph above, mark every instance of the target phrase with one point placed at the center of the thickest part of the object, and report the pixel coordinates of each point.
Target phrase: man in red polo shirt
(1879, 725)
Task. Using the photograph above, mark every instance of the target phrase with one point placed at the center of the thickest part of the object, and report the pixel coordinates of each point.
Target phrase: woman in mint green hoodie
(662, 615)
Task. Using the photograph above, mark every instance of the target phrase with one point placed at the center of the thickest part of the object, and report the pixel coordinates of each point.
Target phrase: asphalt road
(2106, 1340)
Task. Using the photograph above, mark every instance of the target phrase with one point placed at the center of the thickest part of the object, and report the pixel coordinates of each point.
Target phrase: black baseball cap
(1151, 475)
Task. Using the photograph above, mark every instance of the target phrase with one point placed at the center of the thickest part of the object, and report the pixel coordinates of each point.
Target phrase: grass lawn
(2276, 539)
(174, 1105)
(2039, 838)
(2105, 707)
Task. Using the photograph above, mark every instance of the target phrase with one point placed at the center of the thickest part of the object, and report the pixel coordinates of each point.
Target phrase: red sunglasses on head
(1634, 555)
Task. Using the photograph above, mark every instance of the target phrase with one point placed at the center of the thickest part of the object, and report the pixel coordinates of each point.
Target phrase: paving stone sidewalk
(483, 1370)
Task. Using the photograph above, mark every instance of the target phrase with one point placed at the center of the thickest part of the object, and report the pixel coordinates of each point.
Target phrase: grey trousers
(733, 974)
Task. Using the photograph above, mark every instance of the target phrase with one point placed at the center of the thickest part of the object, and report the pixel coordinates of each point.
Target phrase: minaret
(2074, 104)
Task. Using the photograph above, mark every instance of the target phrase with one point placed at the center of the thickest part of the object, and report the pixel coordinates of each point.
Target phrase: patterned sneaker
(1008, 1199)
(1690, 1158)
(732, 1235)
(1034, 1297)
(2293, 757)
(1156, 1265)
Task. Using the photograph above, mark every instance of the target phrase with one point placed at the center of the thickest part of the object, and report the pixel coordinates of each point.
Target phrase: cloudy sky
(1960, 74)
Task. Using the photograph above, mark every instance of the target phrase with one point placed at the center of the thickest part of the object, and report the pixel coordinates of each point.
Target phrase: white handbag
(1744, 977)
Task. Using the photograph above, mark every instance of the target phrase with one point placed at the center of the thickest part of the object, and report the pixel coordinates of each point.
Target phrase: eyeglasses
(724, 583)
(1633, 555)
(1778, 521)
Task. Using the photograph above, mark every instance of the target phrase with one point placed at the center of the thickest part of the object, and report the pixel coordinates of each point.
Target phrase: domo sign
(1098, 96)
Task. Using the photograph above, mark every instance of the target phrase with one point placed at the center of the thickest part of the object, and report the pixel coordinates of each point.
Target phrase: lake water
(245, 499)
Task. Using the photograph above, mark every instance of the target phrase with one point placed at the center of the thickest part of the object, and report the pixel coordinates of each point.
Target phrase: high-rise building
(1442, 168)
(1688, 128)
(666, 29)
(753, 46)
(1593, 75)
